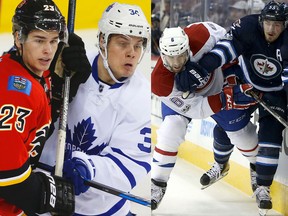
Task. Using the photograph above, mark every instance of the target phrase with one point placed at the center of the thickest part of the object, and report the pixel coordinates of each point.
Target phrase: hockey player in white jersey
(179, 49)
(108, 131)
(262, 41)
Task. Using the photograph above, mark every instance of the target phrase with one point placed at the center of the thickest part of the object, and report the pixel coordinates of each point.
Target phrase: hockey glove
(230, 72)
(190, 77)
(75, 60)
(58, 195)
(237, 97)
(77, 169)
(74, 56)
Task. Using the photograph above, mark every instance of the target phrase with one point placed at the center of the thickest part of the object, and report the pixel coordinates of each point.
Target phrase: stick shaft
(71, 15)
(117, 192)
(61, 142)
(104, 188)
(60, 151)
(269, 109)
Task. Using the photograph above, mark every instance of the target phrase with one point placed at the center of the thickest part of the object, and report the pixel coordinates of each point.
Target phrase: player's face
(39, 49)
(175, 63)
(124, 53)
(272, 29)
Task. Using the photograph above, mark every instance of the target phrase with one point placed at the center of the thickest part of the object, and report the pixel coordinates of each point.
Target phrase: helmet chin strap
(106, 65)
(105, 58)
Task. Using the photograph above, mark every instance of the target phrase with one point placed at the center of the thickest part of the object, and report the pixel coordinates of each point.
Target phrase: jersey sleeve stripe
(231, 50)
(127, 173)
(8, 178)
(145, 165)
(221, 54)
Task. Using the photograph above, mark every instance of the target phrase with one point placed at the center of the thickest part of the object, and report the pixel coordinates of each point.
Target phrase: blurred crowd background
(172, 13)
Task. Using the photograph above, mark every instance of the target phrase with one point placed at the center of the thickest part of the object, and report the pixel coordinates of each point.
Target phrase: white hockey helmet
(122, 19)
(174, 41)
(174, 48)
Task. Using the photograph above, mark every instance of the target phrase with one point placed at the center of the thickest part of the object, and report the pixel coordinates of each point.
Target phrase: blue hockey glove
(190, 77)
(237, 97)
(78, 168)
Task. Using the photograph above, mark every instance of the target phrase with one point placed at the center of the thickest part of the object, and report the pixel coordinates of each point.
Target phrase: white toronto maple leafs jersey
(111, 124)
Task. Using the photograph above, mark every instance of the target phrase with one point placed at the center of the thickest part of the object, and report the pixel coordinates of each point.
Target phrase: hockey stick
(117, 192)
(104, 188)
(64, 111)
(266, 106)
(269, 109)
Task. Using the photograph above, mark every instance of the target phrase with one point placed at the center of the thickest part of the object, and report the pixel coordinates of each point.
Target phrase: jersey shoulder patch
(19, 84)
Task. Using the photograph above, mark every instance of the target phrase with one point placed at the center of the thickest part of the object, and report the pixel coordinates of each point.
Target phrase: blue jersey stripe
(145, 165)
(128, 174)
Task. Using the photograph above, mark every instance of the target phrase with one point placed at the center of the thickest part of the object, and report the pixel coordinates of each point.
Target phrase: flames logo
(36, 146)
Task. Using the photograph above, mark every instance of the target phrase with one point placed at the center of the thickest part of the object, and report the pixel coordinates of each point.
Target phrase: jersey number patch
(146, 147)
(8, 112)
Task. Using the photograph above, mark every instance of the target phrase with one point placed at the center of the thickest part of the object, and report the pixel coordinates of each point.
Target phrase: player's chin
(44, 65)
(128, 74)
(176, 70)
(45, 68)
(128, 71)
(271, 38)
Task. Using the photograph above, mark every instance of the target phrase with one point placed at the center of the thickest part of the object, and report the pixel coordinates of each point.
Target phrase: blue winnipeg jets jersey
(111, 124)
(262, 62)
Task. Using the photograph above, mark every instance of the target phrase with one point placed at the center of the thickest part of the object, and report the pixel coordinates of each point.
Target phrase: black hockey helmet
(274, 11)
(38, 14)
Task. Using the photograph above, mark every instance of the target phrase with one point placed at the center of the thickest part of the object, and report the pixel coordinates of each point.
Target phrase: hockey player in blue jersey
(108, 130)
(178, 107)
(262, 42)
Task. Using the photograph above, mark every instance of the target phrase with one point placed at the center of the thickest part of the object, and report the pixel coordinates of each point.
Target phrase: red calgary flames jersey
(25, 117)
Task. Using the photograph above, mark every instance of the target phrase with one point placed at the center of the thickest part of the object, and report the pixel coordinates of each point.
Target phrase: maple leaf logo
(83, 138)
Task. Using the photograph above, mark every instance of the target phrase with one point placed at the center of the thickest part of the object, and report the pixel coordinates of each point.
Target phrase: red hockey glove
(237, 97)
(230, 72)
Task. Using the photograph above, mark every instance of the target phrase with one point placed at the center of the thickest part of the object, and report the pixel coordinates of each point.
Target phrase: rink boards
(197, 149)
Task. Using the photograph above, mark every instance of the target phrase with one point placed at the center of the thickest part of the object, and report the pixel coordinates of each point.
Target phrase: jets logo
(265, 67)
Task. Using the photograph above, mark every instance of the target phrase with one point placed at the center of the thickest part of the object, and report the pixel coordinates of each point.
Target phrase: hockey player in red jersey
(262, 41)
(26, 113)
(179, 50)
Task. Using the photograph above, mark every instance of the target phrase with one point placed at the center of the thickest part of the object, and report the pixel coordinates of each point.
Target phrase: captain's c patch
(20, 84)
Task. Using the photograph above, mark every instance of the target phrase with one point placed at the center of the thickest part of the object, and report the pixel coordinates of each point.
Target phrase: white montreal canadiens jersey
(111, 124)
(202, 38)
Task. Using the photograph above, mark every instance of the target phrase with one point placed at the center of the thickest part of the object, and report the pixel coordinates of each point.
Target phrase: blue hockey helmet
(274, 11)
